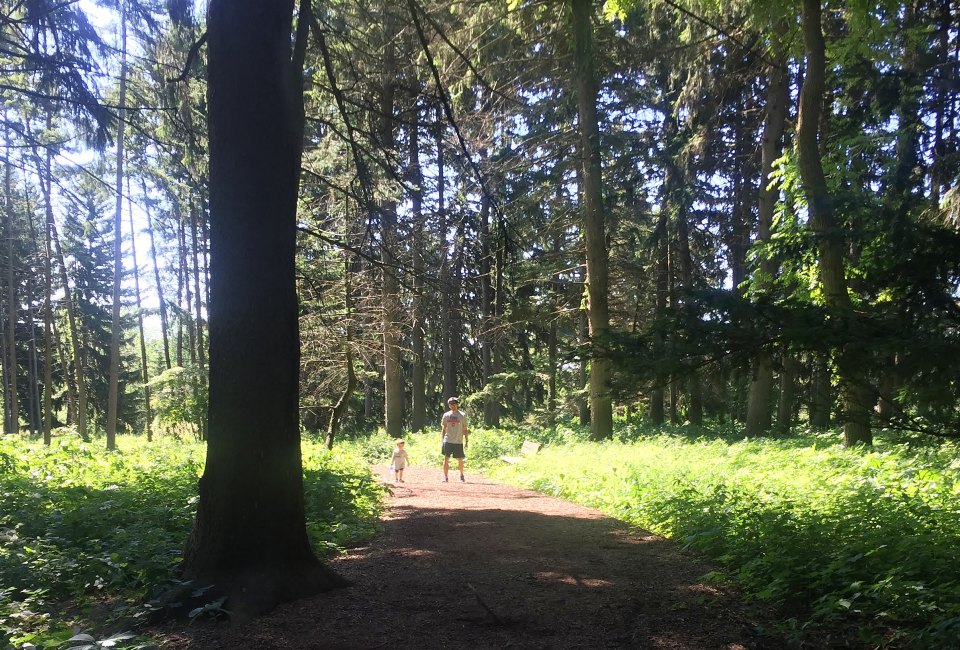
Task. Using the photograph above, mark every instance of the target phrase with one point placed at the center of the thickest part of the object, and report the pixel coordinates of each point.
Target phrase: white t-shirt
(399, 458)
(453, 424)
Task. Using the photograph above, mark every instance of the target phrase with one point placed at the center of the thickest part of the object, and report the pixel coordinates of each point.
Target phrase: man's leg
(460, 465)
(446, 465)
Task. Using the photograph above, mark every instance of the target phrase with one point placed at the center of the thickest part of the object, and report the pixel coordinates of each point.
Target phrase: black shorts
(452, 449)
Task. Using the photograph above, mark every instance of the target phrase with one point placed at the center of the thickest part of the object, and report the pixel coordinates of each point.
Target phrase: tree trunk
(601, 408)
(113, 400)
(824, 224)
(164, 325)
(249, 538)
(144, 367)
(662, 282)
(777, 97)
(46, 179)
(787, 394)
(389, 243)
(449, 374)
(499, 306)
(340, 408)
(488, 326)
(583, 377)
(418, 388)
(181, 289)
(75, 337)
(13, 410)
(197, 288)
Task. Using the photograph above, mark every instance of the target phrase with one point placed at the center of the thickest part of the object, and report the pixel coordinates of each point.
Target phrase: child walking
(400, 460)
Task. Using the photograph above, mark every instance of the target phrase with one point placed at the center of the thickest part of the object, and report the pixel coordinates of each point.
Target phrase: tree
(249, 537)
(601, 410)
(823, 223)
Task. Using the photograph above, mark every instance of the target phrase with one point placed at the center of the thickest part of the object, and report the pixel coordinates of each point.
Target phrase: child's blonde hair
(399, 441)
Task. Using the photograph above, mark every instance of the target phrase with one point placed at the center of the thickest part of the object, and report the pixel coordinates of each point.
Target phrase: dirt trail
(485, 565)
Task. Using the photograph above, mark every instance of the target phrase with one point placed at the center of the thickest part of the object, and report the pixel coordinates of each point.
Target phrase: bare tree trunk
(45, 177)
(694, 389)
(777, 98)
(788, 377)
(583, 378)
(446, 345)
(499, 305)
(552, 338)
(75, 337)
(144, 367)
(115, 331)
(488, 334)
(393, 396)
(197, 288)
(164, 323)
(594, 219)
(418, 388)
(13, 423)
(662, 280)
(824, 225)
(249, 537)
(340, 408)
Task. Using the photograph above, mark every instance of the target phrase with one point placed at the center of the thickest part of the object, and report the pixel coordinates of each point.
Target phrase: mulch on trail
(486, 565)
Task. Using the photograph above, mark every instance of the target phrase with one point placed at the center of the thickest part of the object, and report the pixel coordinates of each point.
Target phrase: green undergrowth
(87, 536)
(856, 543)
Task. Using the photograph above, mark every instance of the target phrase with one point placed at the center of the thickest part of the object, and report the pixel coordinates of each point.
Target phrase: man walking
(454, 436)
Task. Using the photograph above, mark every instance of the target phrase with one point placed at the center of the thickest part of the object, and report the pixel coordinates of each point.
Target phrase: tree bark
(787, 394)
(113, 400)
(75, 337)
(824, 224)
(601, 408)
(156, 279)
(662, 281)
(197, 288)
(13, 411)
(144, 367)
(46, 177)
(775, 115)
(418, 388)
(389, 243)
(249, 538)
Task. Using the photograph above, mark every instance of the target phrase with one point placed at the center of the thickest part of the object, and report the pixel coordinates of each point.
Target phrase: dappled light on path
(485, 565)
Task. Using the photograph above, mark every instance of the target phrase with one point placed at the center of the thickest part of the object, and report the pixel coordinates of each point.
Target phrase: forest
(597, 223)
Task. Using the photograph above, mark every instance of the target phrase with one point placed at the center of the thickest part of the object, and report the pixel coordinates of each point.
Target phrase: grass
(860, 543)
(87, 535)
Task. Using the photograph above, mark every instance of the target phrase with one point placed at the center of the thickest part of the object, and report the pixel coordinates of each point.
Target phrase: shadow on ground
(449, 571)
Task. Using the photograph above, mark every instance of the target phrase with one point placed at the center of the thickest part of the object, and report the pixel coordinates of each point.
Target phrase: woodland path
(554, 575)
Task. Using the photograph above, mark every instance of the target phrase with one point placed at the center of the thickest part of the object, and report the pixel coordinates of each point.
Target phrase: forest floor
(486, 565)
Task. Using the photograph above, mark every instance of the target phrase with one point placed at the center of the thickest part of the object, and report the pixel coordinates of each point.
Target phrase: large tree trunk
(825, 226)
(249, 538)
(389, 244)
(758, 397)
(418, 379)
(601, 408)
(113, 400)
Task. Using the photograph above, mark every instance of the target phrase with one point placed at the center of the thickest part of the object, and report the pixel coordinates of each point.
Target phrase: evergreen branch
(191, 55)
